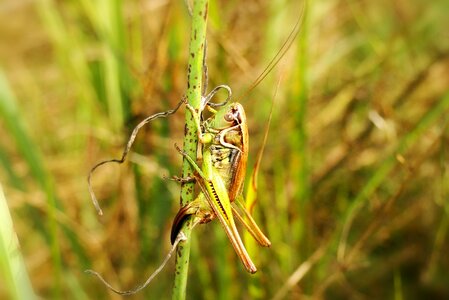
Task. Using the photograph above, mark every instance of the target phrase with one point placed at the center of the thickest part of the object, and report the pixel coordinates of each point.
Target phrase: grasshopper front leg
(204, 138)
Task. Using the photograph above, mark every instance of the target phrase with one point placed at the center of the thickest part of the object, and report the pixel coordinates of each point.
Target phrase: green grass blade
(13, 272)
(109, 18)
(11, 117)
(14, 179)
(13, 121)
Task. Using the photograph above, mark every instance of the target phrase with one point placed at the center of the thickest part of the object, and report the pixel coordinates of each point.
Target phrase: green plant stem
(194, 87)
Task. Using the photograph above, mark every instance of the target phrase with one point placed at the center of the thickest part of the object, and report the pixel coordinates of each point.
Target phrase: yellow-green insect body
(224, 140)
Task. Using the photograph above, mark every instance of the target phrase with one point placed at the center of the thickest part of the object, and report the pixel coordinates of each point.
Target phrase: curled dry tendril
(126, 151)
(181, 237)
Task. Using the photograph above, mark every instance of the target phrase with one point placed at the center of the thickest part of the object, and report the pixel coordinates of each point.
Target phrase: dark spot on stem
(205, 12)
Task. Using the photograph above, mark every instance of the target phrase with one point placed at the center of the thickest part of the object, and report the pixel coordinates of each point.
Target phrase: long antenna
(275, 60)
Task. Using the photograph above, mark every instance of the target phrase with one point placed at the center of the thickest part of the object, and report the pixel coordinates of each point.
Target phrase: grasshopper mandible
(224, 140)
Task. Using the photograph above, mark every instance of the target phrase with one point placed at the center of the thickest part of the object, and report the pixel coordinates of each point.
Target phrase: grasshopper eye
(229, 117)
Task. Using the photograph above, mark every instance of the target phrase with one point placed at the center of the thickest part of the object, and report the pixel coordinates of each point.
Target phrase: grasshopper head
(229, 115)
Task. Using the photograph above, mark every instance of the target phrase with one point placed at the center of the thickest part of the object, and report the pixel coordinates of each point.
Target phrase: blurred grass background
(353, 187)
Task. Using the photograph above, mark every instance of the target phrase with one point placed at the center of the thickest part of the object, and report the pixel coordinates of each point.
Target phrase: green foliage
(352, 187)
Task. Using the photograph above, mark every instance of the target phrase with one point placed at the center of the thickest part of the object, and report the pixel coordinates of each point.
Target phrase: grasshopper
(224, 140)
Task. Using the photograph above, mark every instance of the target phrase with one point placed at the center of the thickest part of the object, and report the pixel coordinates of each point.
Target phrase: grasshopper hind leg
(181, 217)
(200, 213)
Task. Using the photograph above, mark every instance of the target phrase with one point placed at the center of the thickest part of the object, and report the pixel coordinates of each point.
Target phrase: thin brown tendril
(181, 237)
(206, 100)
(127, 149)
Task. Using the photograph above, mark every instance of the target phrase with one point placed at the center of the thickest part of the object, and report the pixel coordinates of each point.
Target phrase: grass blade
(12, 267)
